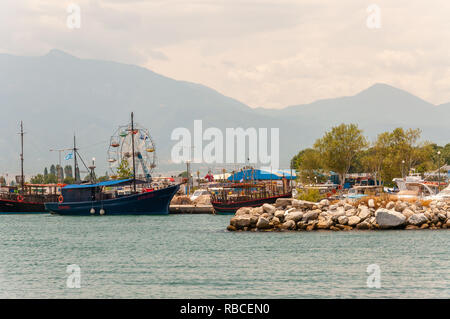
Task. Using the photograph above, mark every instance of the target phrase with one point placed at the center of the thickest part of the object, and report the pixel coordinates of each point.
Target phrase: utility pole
(188, 170)
(132, 146)
(439, 170)
(403, 164)
(76, 171)
(92, 168)
(22, 177)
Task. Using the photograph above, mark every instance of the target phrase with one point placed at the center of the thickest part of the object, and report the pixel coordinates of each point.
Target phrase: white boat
(442, 195)
(414, 186)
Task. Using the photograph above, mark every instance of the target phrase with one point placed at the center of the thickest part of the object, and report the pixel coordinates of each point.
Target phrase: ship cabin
(101, 191)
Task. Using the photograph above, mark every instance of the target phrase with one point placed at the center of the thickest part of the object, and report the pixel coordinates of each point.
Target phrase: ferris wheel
(120, 151)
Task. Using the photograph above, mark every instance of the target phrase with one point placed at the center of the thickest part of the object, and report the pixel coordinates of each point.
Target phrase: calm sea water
(191, 256)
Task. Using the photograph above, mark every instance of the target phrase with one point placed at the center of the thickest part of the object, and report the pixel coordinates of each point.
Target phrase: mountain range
(58, 95)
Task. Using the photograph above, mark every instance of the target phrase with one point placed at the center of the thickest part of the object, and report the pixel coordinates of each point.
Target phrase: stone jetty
(289, 214)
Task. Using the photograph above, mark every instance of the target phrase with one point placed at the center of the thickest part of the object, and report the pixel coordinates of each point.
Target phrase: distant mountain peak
(382, 87)
(386, 92)
(59, 54)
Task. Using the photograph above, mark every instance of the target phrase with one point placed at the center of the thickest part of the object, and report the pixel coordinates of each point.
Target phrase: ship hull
(231, 208)
(16, 207)
(150, 203)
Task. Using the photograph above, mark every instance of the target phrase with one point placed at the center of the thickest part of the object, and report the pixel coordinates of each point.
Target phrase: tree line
(344, 149)
(65, 174)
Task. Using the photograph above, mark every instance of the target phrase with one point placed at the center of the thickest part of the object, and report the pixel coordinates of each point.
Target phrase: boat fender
(102, 211)
(92, 210)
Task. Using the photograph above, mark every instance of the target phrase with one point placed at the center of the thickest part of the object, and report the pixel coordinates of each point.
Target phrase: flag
(68, 156)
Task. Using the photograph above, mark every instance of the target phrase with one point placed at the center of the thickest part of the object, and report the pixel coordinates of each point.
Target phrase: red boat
(234, 196)
(28, 198)
(31, 199)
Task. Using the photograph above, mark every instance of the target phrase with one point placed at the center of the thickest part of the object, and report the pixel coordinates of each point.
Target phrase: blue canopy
(259, 174)
(105, 183)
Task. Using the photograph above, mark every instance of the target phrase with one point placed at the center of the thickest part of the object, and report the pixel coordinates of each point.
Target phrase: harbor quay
(377, 213)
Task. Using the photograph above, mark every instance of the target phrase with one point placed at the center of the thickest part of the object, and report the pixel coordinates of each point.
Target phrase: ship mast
(132, 147)
(75, 164)
(22, 178)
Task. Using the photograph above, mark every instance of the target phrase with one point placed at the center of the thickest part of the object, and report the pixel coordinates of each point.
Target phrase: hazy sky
(265, 53)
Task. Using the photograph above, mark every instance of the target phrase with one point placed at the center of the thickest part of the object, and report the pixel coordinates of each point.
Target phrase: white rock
(295, 216)
(364, 212)
(263, 223)
(407, 212)
(290, 224)
(257, 210)
(400, 206)
(353, 220)
(334, 207)
(243, 211)
(339, 212)
(371, 203)
(417, 219)
(389, 218)
(279, 213)
(310, 215)
(324, 202)
(390, 205)
(242, 221)
(269, 209)
(343, 220)
(283, 202)
(347, 206)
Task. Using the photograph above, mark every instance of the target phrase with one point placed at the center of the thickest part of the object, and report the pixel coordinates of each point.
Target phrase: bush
(310, 195)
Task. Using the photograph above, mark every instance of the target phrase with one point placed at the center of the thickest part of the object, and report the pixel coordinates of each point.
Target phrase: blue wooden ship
(105, 198)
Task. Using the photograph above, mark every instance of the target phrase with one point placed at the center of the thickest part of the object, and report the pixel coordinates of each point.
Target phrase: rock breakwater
(289, 214)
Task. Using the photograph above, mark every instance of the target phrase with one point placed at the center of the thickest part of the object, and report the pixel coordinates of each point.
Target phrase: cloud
(268, 53)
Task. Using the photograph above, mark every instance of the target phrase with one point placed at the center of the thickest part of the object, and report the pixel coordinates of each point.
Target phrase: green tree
(38, 179)
(124, 170)
(308, 163)
(69, 180)
(373, 160)
(103, 178)
(2, 181)
(68, 171)
(339, 147)
(50, 179)
(404, 153)
(45, 171)
(183, 174)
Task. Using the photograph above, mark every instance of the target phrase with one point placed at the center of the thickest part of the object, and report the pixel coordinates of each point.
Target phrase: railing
(32, 198)
(235, 198)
